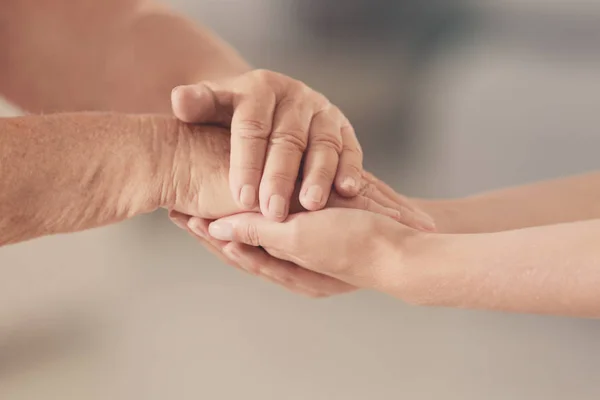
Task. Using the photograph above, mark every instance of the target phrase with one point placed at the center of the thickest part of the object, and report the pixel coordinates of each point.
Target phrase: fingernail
(221, 231)
(315, 194)
(248, 196)
(349, 183)
(277, 206)
(196, 227)
(176, 89)
(426, 222)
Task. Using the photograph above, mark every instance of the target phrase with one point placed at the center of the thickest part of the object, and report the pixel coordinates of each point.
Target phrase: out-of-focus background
(448, 98)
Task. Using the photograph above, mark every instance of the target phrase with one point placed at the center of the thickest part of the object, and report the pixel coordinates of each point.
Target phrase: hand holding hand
(297, 279)
(356, 247)
(198, 182)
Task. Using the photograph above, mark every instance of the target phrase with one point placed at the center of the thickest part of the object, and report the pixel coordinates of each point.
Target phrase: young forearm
(69, 172)
(109, 55)
(543, 270)
(545, 203)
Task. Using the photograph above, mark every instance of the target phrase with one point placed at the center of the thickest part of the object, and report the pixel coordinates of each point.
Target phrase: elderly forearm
(546, 270)
(546, 203)
(69, 172)
(112, 55)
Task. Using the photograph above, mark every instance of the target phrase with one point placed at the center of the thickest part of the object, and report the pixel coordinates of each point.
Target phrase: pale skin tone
(527, 249)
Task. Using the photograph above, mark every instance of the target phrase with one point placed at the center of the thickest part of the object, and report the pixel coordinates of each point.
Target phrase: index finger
(250, 130)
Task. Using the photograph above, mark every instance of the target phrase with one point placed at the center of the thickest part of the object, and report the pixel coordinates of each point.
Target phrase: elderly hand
(274, 119)
(199, 186)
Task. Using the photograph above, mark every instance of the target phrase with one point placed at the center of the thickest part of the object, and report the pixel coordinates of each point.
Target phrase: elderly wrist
(192, 168)
(164, 141)
(139, 164)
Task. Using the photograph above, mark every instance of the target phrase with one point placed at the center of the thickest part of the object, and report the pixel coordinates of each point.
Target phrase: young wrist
(422, 268)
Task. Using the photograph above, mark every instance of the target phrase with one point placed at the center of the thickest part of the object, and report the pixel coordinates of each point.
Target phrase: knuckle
(249, 166)
(326, 141)
(277, 178)
(322, 101)
(294, 139)
(290, 102)
(251, 235)
(337, 114)
(298, 87)
(400, 214)
(322, 173)
(353, 169)
(262, 75)
(345, 121)
(327, 113)
(355, 151)
(253, 129)
(365, 203)
(366, 189)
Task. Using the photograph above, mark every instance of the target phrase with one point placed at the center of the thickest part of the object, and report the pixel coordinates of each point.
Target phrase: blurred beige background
(449, 98)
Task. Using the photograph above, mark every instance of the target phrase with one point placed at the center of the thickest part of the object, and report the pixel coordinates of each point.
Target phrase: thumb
(195, 103)
(250, 228)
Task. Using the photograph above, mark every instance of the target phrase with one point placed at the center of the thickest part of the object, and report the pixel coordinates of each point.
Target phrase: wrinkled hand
(313, 283)
(199, 183)
(274, 119)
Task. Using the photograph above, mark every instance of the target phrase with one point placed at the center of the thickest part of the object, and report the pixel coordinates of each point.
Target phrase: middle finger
(284, 155)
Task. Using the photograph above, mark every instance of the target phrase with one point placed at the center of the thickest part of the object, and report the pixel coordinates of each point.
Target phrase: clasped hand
(292, 151)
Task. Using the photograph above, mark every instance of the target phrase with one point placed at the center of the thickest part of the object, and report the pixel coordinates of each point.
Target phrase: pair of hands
(278, 128)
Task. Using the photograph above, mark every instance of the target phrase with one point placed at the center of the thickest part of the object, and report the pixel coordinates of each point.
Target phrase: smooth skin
(530, 249)
(112, 55)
